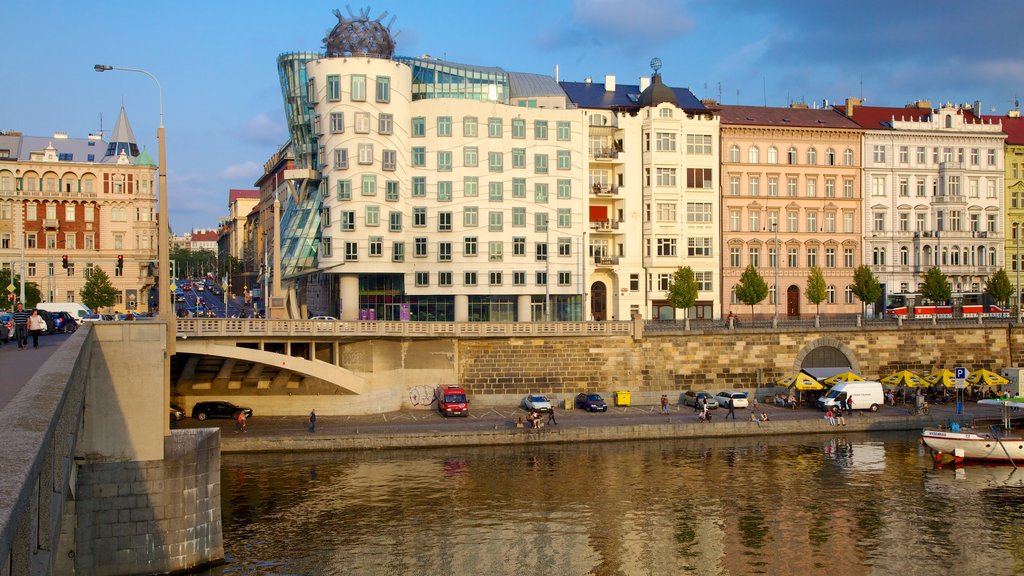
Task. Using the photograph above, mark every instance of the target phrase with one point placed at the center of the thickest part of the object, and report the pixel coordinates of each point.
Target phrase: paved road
(18, 366)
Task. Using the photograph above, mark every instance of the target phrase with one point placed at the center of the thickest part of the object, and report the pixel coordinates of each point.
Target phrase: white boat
(996, 444)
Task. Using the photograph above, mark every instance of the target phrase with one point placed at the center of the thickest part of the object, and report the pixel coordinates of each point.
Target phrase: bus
(912, 305)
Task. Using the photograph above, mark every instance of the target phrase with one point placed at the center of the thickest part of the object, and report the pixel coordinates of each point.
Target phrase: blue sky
(222, 101)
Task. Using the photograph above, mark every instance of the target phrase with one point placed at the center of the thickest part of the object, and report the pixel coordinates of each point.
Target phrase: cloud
(263, 129)
(247, 170)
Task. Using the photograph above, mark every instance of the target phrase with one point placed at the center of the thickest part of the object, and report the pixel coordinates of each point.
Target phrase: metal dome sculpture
(359, 35)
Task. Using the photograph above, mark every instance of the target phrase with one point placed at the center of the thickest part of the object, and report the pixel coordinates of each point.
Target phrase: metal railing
(234, 327)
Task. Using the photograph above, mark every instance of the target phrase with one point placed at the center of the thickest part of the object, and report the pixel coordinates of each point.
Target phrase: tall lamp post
(1016, 234)
(163, 238)
(778, 254)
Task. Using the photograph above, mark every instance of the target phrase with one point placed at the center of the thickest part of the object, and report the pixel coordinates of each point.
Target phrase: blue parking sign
(960, 373)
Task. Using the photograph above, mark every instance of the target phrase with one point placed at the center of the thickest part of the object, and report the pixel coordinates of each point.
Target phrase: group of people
(755, 418)
(786, 400)
(834, 416)
(534, 419)
(25, 323)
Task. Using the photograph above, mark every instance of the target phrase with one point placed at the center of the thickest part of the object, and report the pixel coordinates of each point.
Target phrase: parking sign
(960, 374)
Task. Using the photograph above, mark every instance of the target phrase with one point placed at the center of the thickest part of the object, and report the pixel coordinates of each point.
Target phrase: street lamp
(778, 254)
(163, 236)
(1016, 264)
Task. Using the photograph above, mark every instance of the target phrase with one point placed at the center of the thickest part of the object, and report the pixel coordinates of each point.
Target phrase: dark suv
(218, 409)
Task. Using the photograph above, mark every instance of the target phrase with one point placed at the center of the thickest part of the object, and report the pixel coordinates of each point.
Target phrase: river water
(836, 505)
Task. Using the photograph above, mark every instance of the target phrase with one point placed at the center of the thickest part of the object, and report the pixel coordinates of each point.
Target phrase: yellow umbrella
(801, 381)
(986, 378)
(945, 377)
(843, 377)
(904, 378)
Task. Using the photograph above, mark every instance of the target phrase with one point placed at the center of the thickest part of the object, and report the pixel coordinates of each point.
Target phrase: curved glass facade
(439, 79)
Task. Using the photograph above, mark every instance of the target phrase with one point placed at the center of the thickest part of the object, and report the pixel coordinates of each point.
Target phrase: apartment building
(791, 201)
(1013, 190)
(72, 205)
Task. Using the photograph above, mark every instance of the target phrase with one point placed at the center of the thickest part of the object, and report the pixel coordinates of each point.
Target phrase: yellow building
(1013, 198)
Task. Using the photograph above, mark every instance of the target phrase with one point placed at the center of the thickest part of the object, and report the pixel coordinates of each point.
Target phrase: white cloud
(247, 170)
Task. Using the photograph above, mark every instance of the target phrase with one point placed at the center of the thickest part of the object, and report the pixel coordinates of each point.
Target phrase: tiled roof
(880, 117)
(237, 193)
(1012, 127)
(625, 96)
(789, 117)
(204, 236)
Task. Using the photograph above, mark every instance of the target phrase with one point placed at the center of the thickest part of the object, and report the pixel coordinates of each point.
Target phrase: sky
(224, 115)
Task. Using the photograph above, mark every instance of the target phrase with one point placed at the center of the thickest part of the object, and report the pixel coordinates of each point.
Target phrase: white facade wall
(934, 187)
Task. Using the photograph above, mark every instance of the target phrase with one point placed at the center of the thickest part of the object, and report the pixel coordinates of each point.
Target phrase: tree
(98, 292)
(682, 290)
(998, 287)
(816, 290)
(936, 288)
(752, 288)
(865, 286)
(32, 294)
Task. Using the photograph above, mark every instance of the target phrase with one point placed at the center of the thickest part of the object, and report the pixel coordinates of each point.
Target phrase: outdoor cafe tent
(801, 381)
(841, 377)
(943, 377)
(904, 378)
(986, 378)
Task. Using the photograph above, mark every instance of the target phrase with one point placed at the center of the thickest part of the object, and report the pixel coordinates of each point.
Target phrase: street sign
(10, 287)
(960, 374)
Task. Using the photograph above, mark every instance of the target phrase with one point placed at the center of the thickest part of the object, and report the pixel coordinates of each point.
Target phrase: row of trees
(752, 288)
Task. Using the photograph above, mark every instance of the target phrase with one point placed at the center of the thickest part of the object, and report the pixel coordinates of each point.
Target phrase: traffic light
(64, 261)
(120, 264)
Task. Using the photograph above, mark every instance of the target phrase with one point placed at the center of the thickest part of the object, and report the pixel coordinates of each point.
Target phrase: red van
(451, 401)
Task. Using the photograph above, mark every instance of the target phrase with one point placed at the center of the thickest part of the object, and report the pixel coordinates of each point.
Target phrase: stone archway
(598, 301)
(826, 353)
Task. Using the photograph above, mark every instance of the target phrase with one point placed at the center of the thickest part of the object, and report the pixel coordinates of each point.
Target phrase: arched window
(830, 294)
(791, 156)
(753, 155)
(812, 156)
(830, 157)
(734, 153)
(904, 256)
(665, 112)
(949, 121)
(848, 157)
(773, 155)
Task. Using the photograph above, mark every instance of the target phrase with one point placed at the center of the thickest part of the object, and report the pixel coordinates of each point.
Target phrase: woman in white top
(36, 325)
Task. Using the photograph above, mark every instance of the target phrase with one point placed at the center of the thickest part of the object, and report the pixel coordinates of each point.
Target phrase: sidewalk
(497, 426)
(18, 366)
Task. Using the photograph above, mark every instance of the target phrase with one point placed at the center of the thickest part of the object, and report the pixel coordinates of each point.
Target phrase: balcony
(604, 191)
(604, 225)
(949, 199)
(602, 261)
(50, 224)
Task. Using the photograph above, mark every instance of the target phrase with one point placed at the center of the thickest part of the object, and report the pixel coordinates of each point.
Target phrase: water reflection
(862, 504)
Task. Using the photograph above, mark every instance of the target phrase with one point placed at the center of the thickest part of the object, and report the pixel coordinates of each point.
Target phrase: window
(734, 257)
(386, 123)
(419, 247)
(494, 278)
(348, 220)
(565, 247)
(847, 188)
(773, 186)
(878, 185)
(519, 246)
(444, 161)
(540, 193)
(395, 221)
(389, 159)
(696, 178)
(753, 155)
(564, 160)
(791, 221)
(383, 89)
(333, 88)
(351, 251)
(541, 278)
(540, 252)
(540, 129)
(734, 221)
(812, 257)
(369, 185)
(754, 185)
(734, 185)
(469, 246)
(564, 278)
(734, 153)
(830, 257)
(519, 187)
(471, 186)
(470, 217)
(703, 280)
(830, 222)
(519, 157)
(879, 221)
(540, 163)
(398, 251)
(519, 278)
(419, 186)
(419, 156)
(791, 185)
(878, 154)
(495, 192)
(698, 247)
(848, 257)
(773, 155)
(358, 87)
(754, 220)
(564, 131)
(812, 156)
(791, 156)
(423, 278)
(419, 127)
(495, 221)
(564, 188)
(444, 251)
(494, 161)
(325, 247)
(519, 128)
(991, 157)
(666, 246)
(337, 120)
(444, 125)
(444, 191)
(666, 141)
(372, 217)
(325, 217)
(494, 128)
(666, 212)
(792, 257)
(754, 256)
(812, 221)
(904, 154)
(419, 216)
(697, 212)
(470, 155)
(812, 187)
(519, 217)
(666, 176)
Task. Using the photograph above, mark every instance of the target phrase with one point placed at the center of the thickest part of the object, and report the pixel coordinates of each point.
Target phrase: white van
(866, 395)
(76, 309)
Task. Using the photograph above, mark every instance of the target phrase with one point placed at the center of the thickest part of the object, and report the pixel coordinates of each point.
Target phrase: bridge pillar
(224, 374)
(188, 372)
(349, 297)
(523, 308)
(461, 308)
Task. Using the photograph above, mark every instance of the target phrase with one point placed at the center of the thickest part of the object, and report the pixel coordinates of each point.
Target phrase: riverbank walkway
(498, 426)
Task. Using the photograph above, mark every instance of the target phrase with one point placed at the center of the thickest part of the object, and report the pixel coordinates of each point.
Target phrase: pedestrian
(840, 420)
(664, 404)
(240, 421)
(20, 319)
(705, 414)
(753, 416)
(842, 402)
(312, 420)
(551, 417)
(36, 325)
(732, 411)
(849, 406)
(764, 416)
(830, 418)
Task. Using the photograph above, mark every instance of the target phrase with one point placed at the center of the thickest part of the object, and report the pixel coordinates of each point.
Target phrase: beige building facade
(791, 201)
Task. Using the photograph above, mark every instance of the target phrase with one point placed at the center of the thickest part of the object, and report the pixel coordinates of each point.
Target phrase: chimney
(609, 83)
(852, 103)
(800, 105)
(556, 73)
(920, 105)
(645, 81)
(1013, 114)
(588, 80)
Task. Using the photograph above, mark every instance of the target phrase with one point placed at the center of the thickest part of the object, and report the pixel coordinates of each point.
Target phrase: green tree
(32, 294)
(816, 290)
(193, 262)
(751, 289)
(98, 292)
(865, 286)
(936, 288)
(998, 287)
(682, 291)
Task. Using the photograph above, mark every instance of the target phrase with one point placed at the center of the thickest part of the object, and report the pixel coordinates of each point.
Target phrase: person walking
(849, 406)
(664, 404)
(36, 325)
(20, 319)
(732, 411)
(312, 420)
(551, 417)
(240, 421)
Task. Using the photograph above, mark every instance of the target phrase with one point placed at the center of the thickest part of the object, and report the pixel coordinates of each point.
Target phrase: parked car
(48, 318)
(452, 401)
(6, 327)
(537, 403)
(323, 318)
(64, 322)
(218, 409)
(93, 318)
(176, 412)
(591, 402)
(694, 397)
(739, 399)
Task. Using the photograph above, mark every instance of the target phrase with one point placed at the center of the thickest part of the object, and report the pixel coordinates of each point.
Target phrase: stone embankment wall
(658, 364)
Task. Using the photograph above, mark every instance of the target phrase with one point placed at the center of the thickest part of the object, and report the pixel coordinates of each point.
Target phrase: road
(18, 366)
(210, 300)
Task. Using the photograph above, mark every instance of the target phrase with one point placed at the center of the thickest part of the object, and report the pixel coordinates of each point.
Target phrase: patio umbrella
(986, 378)
(801, 381)
(842, 377)
(943, 377)
(904, 378)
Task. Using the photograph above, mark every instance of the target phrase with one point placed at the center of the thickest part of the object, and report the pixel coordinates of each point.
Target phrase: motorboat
(996, 444)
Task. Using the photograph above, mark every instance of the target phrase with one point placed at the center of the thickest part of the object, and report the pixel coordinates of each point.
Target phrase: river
(836, 505)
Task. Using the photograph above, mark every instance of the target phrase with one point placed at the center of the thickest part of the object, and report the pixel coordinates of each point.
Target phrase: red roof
(876, 117)
(204, 236)
(788, 117)
(236, 193)
(1012, 127)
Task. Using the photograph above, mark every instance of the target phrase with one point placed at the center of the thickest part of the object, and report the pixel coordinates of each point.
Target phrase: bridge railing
(39, 427)
(234, 327)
